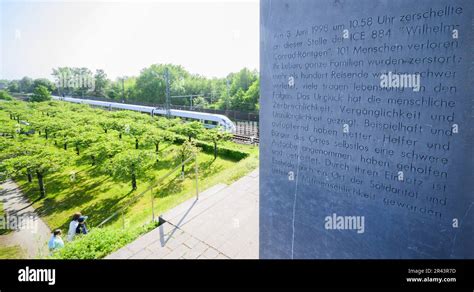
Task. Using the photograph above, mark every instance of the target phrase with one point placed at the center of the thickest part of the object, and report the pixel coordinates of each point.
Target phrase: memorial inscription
(367, 110)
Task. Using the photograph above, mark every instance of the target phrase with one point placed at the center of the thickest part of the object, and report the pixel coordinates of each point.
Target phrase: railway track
(242, 139)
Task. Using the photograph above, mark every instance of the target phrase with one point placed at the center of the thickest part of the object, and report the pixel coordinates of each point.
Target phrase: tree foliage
(5, 95)
(40, 93)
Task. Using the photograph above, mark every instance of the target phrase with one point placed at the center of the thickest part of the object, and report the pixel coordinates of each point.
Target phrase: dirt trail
(34, 235)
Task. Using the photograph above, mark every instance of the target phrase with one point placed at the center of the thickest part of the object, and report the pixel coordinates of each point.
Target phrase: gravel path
(34, 234)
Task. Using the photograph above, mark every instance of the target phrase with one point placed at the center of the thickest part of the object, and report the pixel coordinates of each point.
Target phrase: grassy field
(76, 185)
(99, 196)
(11, 252)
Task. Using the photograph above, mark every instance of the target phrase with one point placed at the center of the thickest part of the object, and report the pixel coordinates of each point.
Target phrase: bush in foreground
(100, 242)
(5, 96)
(41, 93)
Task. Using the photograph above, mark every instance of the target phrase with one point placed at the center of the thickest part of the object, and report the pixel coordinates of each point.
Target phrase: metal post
(197, 178)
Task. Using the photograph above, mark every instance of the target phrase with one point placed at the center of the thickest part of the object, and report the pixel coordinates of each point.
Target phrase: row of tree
(35, 139)
(237, 91)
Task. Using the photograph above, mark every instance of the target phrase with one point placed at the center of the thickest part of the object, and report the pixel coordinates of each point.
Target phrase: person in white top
(73, 226)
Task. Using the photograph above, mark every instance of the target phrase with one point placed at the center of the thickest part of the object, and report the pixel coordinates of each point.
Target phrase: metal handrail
(150, 188)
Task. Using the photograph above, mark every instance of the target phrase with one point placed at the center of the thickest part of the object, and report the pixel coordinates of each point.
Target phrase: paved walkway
(34, 235)
(222, 224)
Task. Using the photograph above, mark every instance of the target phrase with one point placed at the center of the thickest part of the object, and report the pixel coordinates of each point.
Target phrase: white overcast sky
(211, 38)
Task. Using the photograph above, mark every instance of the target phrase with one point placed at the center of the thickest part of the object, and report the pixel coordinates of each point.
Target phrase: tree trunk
(157, 147)
(105, 130)
(134, 181)
(78, 152)
(136, 143)
(29, 175)
(39, 175)
(189, 138)
(93, 160)
(215, 150)
(46, 133)
(65, 145)
(120, 136)
(182, 166)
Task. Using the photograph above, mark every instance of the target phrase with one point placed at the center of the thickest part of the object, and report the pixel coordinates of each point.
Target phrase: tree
(46, 83)
(5, 96)
(85, 138)
(215, 135)
(190, 130)
(14, 86)
(46, 161)
(4, 83)
(73, 80)
(105, 123)
(156, 136)
(252, 96)
(136, 130)
(200, 102)
(151, 84)
(103, 150)
(242, 80)
(10, 148)
(42, 161)
(46, 124)
(186, 149)
(101, 82)
(131, 164)
(41, 93)
(26, 84)
(62, 76)
(237, 101)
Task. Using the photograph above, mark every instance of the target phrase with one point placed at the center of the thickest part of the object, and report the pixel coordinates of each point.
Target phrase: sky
(210, 38)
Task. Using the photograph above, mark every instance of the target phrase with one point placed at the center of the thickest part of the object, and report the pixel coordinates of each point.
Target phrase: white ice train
(207, 119)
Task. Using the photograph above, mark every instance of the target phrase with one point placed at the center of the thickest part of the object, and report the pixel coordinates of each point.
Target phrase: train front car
(226, 123)
(207, 119)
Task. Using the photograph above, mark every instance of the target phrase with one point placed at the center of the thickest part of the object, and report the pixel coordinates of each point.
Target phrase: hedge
(100, 242)
(207, 147)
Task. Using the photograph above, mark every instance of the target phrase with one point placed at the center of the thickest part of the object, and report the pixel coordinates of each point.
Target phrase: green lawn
(94, 191)
(11, 252)
(97, 195)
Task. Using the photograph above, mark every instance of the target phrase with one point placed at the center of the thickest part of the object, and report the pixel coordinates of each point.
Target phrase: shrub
(100, 242)
(41, 93)
(5, 96)
(224, 152)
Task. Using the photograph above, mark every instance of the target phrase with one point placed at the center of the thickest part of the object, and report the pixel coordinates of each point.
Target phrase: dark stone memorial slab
(367, 129)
